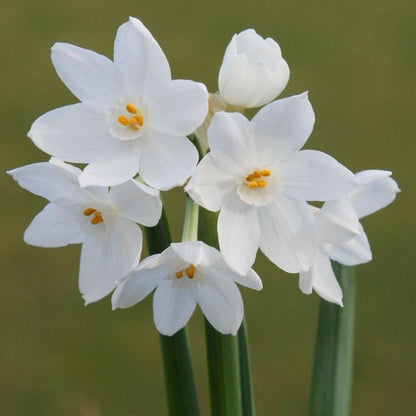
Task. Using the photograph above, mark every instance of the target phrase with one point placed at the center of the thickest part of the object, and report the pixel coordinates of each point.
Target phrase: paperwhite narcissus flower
(132, 116)
(187, 274)
(340, 234)
(253, 72)
(103, 220)
(259, 180)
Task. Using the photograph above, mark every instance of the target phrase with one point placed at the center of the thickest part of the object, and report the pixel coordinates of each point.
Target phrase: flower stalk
(333, 362)
(222, 350)
(179, 375)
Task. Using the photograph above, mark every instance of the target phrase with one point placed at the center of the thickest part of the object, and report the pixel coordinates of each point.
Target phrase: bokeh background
(357, 59)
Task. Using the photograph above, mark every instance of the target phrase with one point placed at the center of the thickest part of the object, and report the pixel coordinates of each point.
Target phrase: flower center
(97, 218)
(189, 271)
(256, 179)
(134, 120)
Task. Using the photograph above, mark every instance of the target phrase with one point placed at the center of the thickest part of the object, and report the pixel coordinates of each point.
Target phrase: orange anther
(265, 172)
(190, 271)
(262, 184)
(253, 184)
(131, 108)
(179, 274)
(97, 218)
(89, 211)
(123, 120)
(136, 122)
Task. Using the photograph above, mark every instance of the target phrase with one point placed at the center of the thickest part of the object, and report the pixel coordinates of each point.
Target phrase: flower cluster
(137, 131)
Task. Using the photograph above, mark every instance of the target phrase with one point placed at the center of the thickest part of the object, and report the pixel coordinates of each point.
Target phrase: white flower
(103, 220)
(132, 116)
(341, 236)
(258, 178)
(187, 274)
(253, 71)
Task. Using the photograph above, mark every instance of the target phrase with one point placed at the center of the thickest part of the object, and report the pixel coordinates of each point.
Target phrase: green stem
(222, 350)
(190, 226)
(179, 376)
(333, 363)
(247, 395)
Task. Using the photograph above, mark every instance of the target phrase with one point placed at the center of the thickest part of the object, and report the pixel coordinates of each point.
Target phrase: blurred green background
(357, 59)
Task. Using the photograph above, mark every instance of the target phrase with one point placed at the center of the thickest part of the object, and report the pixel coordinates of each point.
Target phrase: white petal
(210, 185)
(288, 234)
(137, 202)
(140, 59)
(73, 133)
(89, 76)
(173, 306)
(233, 146)
(221, 303)
(238, 234)
(305, 282)
(166, 161)
(193, 252)
(351, 252)
(103, 262)
(45, 179)
(250, 280)
(337, 221)
(324, 281)
(253, 71)
(180, 109)
(375, 191)
(310, 175)
(53, 227)
(284, 125)
(136, 287)
(115, 165)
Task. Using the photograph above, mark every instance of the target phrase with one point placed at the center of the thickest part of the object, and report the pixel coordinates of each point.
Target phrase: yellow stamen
(89, 211)
(253, 180)
(131, 108)
(136, 122)
(179, 274)
(97, 218)
(123, 120)
(190, 271)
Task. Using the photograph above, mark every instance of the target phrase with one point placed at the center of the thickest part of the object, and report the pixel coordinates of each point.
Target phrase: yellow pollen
(97, 218)
(179, 274)
(136, 122)
(89, 211)
(131, 108)
(253, 180)
(190, 271)
(123, 120)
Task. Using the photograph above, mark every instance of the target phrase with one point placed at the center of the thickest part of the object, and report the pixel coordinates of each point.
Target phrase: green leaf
(179, 375)
(333, 362)
(222, 350)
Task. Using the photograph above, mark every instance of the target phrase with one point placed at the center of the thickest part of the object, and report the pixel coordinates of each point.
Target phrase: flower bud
(253, 71)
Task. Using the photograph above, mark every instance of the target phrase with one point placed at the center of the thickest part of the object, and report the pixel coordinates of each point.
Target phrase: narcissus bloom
(184, 275)
(259, 180)
(132, 117)
(341, 236)
(253, 72)
(103, 220)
